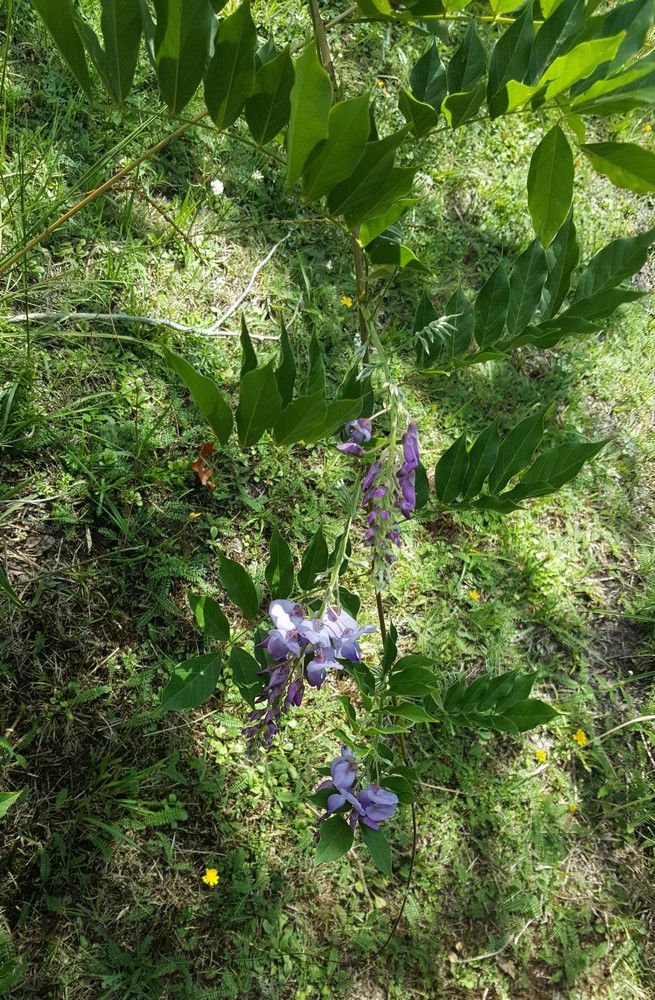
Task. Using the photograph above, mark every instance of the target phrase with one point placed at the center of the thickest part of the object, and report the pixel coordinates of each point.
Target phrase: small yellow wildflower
(648, 127)
(573, 808)
(210, 877)
(541, 756)
(380, 83)
(347, 301)
(581, 738)
(475, 595)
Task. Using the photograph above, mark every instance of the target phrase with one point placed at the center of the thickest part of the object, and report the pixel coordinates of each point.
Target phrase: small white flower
(257, 175)
(328, 265)
(217, 187)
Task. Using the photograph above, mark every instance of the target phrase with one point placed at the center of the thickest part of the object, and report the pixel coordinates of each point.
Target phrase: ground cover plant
(325, 421)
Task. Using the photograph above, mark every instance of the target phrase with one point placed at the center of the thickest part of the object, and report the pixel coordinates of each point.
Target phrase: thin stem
(96, 192)
(320, 35)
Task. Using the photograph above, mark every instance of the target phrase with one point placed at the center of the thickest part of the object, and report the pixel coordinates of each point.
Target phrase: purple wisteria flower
(387, 491)
(302, 647)
(359, 431)
(371, 805)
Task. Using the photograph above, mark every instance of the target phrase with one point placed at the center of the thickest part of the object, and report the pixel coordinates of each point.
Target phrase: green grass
(105, 530)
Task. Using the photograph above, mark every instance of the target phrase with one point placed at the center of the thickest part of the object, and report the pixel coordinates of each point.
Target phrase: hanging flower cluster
(371, 805)
(302, 647)
(387, 490)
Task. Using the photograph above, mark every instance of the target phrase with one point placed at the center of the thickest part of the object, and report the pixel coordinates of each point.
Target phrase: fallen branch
(119, 317)
(235, 305)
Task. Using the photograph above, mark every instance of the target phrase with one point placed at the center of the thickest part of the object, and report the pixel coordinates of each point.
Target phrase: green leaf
(490, 309)
(301, 420)
(7, 589)
(279, 572)
(617, 261)
(415, 682)
(525, 287)
(388, 251)
(516, 449)
(338, 413)
(634, 20)
(562, 257)
(510, 59)
(240, 588)
(427, 78)
(349, 602)
(285, 373)
(468, 64)
(182, 38)
(375, 225)
(205, 394)
(577, 64)
(7, 800)
(260, 404)
(269, 107)
(550, 184)
(248, 356)
(530, 713)
(333, 159)
(316, 377)
(191, 684)
(245, 674)
(559, 465)
(121, 31)
(59, 19)
(459, 108)
(231, 72)
(356, 196)
(481, 460)
(335, 840)
(314, 561)
(409, 710)
(210, 617)
(450, 473)
(624, 163)
(377, 846)
(422, 117)
(557, 34)
(311, 97)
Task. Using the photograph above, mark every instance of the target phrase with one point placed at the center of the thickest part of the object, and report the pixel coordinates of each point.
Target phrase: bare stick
(119, 317)
(235, 305)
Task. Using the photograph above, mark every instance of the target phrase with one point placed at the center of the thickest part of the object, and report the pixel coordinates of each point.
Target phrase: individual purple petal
(316, 672)
(360, 430)
(343, 773)
(351, 448)
(371, 475)
(335, 802)
(286, 615)
(295, 693)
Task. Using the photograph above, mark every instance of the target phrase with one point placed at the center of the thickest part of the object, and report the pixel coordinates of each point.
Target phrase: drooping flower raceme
(301, 647)
(388, 489)
(371, 805)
